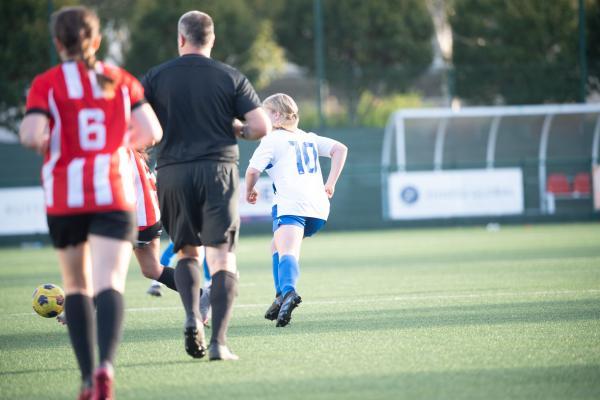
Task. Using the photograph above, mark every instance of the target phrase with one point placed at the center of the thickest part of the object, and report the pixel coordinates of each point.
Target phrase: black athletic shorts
(70, 230)
(199, 203)
(144, 237)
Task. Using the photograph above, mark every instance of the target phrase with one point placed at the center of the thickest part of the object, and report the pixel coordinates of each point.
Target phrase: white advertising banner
(455, 193)
(22, 211)
(262, 208)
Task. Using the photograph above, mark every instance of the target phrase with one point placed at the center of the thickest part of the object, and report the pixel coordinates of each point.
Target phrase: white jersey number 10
(310, 157)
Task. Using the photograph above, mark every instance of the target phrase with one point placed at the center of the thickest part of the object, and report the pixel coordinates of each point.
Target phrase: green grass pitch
(454, 313)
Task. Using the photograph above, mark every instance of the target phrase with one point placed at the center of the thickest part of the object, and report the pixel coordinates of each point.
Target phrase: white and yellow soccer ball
(48, 300)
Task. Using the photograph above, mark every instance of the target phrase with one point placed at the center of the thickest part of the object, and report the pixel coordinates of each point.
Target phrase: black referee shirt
(196, 99)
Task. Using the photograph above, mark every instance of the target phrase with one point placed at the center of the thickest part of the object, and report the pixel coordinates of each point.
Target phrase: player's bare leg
(148, 257)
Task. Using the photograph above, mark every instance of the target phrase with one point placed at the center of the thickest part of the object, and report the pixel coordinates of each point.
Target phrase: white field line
(541, 293)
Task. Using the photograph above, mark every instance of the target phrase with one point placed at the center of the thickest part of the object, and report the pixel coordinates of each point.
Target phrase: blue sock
(288, 273)
(167, 255)
(207, 276)
(276, 274)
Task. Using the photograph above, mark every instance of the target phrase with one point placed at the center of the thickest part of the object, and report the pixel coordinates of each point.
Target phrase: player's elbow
(261, 128)
(152, 136)
(252, 173)
(27, 139)
(339, 150)
(157, 133)
(259, 124)
(32, 130)
(146, 137)
(146, 127)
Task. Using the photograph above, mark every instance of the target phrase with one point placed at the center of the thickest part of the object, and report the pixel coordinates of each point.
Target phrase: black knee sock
(167, 277)
(187, 280)
(79, 310)
(222, 294)
(109, 316)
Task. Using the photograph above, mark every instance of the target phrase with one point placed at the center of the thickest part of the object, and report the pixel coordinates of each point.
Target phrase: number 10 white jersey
(291, 159)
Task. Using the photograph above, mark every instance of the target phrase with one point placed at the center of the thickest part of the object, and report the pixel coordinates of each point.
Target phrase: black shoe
(195, 344)
(273, 310)
(221, 352)
(290, 301)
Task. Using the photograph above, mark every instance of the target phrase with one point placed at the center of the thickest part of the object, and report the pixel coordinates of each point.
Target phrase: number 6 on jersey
(92, 132)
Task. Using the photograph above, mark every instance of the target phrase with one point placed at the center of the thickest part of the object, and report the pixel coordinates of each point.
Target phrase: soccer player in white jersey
(301, 202)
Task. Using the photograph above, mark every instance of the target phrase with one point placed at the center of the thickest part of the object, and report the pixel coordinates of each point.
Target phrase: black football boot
(273, 310)
(290, 301)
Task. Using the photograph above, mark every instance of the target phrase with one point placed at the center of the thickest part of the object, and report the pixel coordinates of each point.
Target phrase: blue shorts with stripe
(309, 224)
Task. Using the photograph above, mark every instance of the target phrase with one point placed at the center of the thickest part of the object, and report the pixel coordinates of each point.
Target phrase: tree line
(504, 51)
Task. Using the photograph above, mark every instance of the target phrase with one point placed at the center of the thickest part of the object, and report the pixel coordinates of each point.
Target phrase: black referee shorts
(70, 230)
(199, 203)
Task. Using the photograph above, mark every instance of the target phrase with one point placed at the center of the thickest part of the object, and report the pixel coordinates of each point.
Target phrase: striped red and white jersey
(87, 167)
(146, 198)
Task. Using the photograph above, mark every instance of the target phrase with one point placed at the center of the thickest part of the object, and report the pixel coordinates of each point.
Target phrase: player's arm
(247, 107)
(252, 176)
(34, 132)
(261, 159)
(338, 154)
(145, 128)
(256, 126)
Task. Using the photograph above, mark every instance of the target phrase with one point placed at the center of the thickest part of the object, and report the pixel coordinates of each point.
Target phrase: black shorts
(70, 230)
(199, 203)
(147, 235)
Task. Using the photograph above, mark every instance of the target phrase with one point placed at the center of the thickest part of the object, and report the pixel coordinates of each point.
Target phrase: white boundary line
(541, 293)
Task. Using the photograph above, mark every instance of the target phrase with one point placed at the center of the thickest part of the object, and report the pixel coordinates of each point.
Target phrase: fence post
(319, 62)
(52, 50)
(582, 48)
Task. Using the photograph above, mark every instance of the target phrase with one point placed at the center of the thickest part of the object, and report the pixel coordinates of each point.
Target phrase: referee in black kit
(200, 102)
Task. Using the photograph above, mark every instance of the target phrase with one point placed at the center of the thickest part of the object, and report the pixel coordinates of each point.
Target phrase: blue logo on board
(409, 195)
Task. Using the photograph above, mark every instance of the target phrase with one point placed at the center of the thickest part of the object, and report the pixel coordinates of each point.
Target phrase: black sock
(79, 310)
(110, 308)
(222, 294)
(167, 277)
(187, 280)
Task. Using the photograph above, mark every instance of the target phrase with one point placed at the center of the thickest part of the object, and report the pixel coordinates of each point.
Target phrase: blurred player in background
(78, 114)
(291, 158)
(147, 246)
(198, 101)
(166, 258)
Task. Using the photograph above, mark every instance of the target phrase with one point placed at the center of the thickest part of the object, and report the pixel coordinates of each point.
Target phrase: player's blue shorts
(309, 224)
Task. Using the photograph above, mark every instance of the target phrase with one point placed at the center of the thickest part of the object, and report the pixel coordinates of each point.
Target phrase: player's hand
(251, 196)
(329, 189)
(42, 147)
(237, 127)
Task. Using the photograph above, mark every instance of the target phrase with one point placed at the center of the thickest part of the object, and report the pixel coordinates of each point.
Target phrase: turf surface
(448, 313)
